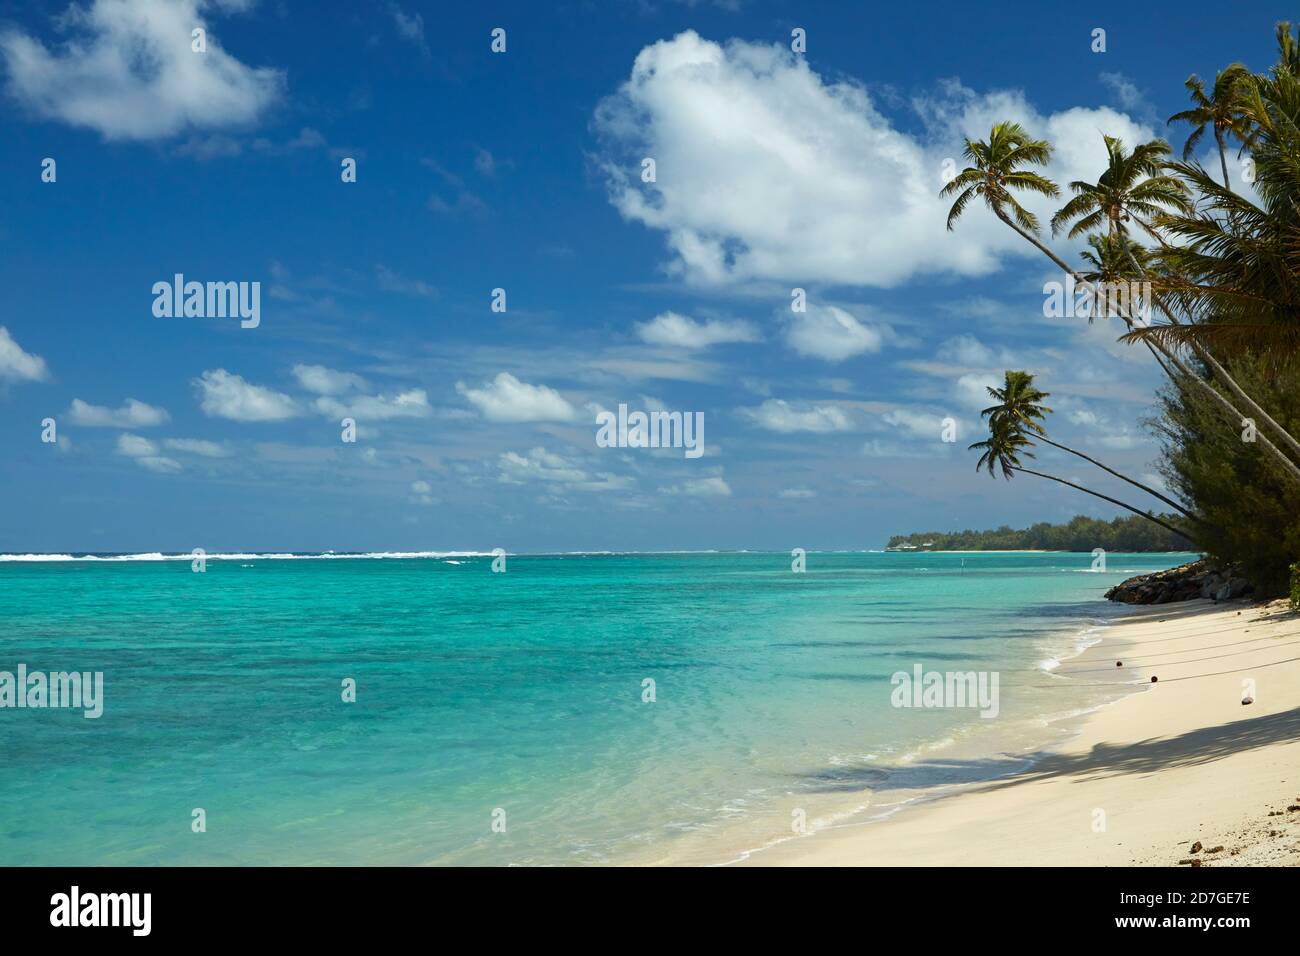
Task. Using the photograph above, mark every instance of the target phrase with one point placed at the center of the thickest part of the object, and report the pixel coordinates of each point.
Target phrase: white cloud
(133, 446)
(197, 446)
(820, 185)
(413, 403)
(422, 493)
(326, 381)
(969, 351)
(17, 365)
(223, 394)
(778, 415)
(506, 399)
(830, 333)
(544, 466)
(145, 454)
(673, 329)
(972, 390)
(713, 487)
(914, 423)
(132, 414)
(128, 71)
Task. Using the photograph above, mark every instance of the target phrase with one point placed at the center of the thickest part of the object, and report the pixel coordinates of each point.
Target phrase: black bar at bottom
(336, 905)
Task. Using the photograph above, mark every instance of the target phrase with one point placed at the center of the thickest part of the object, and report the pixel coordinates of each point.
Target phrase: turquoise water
(519, 692)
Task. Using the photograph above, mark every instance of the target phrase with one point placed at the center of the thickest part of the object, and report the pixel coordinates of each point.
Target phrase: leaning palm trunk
(1115, 501)
(1287, 464)
(1106, 468)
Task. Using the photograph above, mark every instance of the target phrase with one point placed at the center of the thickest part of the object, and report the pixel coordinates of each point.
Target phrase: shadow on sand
(1196, 747)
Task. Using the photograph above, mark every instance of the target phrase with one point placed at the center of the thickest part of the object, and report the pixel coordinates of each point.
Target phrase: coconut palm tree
(1133, 186)
(996, 162)
(1007, 444)
(1220, 111)
(1022, 401)
(997, 172)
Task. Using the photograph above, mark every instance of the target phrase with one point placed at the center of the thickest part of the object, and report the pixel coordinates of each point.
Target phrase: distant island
(1080, 533)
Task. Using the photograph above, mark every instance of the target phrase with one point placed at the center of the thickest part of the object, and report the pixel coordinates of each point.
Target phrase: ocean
(574, 709)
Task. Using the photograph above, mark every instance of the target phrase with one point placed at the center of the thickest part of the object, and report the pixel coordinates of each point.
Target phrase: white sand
(1181, 761)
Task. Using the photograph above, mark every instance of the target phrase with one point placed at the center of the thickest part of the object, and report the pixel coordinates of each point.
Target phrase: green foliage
(1246, 500)
(1295, 585)
(1081, 533)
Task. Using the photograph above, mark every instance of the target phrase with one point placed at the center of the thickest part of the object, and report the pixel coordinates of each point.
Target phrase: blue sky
(522, 171)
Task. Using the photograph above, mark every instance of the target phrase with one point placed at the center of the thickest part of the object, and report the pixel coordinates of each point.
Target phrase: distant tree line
(1080, 533)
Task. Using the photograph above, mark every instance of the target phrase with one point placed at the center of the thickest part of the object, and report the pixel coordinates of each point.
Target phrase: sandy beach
(1146, 778)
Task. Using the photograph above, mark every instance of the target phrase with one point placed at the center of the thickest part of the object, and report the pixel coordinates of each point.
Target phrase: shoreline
(1140, 779)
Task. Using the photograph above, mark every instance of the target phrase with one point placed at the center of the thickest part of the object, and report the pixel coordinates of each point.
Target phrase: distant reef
(1080, 533)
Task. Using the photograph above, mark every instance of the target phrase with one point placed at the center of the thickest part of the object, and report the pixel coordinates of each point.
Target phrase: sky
(523, 170)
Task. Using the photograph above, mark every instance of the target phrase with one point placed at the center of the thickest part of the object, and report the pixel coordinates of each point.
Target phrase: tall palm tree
(1220, 111)
(1006, 444)
(1020, 400)
(1133, 186)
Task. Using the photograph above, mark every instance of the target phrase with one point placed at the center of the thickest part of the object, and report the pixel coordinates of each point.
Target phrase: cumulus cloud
(506, 399)
(820, 185)
(145, 454)
(681, 331)
(128, 71)
(17, 365)
(778, 415)
(132, 414)
(830, 333)
(326, 381)
(224, 394)
(413, 403)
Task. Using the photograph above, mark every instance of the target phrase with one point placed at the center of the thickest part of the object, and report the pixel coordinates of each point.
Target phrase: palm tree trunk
(1223, 158)
(1136, 484)
(1114, 501)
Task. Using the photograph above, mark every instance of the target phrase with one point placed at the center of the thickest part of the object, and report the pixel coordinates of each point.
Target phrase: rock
(1196, 847)
(1247, 700)
(1215, 849)
(1119, 663)
(1204, 579)
(1154, 678)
